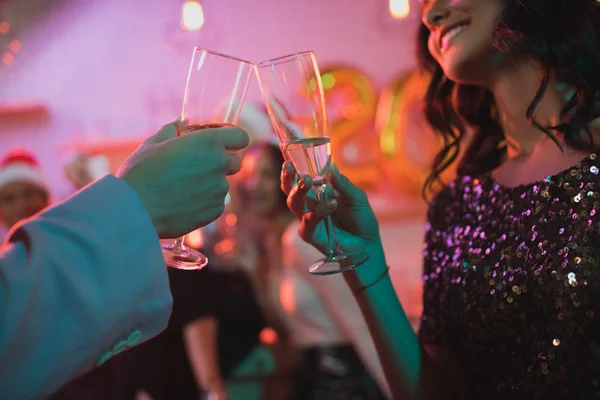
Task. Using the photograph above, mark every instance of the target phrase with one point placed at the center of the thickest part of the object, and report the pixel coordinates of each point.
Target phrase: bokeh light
(192, 16)
(399, 9)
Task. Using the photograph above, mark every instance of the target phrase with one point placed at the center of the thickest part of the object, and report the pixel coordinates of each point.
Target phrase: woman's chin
(462, 68)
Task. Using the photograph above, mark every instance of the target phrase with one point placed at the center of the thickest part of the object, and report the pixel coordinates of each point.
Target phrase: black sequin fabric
(512, 284)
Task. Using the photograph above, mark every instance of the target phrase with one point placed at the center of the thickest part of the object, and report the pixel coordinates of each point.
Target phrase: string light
(399, 9)
(192, 15)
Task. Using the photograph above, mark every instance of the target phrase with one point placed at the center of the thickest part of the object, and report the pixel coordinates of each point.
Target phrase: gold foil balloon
(381, 137)
(352, 100)
(408, 143)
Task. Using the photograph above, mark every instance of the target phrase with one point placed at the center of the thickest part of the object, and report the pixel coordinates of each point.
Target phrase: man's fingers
(230, 138)
(165, 133)
(288, 177)
(234, 164)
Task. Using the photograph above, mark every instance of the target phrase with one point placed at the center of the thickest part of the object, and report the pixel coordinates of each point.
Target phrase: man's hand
(181, 180)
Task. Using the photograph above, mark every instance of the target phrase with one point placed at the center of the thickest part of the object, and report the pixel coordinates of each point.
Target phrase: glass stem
(178, 243)
(329, 230)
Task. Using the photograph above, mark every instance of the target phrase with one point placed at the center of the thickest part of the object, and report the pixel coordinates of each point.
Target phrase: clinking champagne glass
(214, 95)
(293, 92)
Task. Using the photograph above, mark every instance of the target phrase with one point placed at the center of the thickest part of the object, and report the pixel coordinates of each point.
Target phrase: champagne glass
(293, 92)
(214, 94)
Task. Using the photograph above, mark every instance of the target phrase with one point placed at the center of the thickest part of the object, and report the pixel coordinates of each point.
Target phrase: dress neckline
(550, 178)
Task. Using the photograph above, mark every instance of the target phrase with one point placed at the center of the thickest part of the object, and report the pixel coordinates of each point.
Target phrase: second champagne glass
(293, 92)
(214, 95)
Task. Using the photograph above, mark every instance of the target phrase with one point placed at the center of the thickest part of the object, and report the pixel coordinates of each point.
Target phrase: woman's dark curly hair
(564, 37)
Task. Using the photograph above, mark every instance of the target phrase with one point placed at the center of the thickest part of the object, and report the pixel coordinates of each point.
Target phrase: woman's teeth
(451, 34)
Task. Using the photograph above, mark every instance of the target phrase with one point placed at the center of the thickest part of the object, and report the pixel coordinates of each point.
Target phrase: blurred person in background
(316, 315)
(23, 190)
(214, 326)
(224, 332)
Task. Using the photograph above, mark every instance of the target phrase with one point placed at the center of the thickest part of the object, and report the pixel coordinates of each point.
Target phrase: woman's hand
(355, 224)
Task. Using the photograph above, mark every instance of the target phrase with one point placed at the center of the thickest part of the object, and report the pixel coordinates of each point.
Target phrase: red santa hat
(21, 166)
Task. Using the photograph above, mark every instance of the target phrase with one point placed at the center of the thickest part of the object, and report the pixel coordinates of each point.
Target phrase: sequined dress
(512, 284)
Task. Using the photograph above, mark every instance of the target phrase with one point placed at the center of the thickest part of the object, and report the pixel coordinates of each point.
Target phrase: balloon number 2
(379, 137)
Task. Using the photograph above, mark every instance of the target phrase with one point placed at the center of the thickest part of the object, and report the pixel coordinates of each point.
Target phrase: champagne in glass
(311, 156)
(214, 94)
(293, 93)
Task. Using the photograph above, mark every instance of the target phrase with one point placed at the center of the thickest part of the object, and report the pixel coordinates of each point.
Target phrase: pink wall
(117, 68)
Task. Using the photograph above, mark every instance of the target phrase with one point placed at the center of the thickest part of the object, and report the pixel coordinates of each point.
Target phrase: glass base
(183, 258)
(340, 262)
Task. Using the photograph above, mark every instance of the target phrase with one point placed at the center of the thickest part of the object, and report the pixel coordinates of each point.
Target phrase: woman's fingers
(310, 220)
(297, 197)
(303, 203)
(288, 177)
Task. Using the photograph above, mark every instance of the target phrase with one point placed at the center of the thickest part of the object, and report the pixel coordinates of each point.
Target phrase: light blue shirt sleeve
(79, 283)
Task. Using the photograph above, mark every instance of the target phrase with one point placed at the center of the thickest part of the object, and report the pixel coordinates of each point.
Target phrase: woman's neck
(514, 87)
